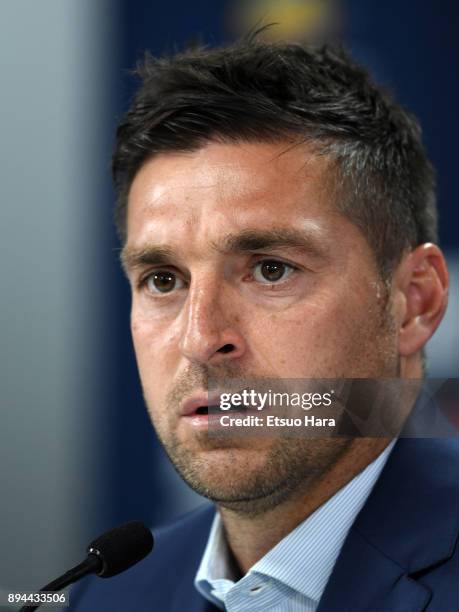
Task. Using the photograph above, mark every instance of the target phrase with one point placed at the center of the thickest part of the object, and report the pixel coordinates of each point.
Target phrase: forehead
(232, 186)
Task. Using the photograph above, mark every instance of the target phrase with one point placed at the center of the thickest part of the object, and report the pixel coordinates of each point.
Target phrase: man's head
(274, 207)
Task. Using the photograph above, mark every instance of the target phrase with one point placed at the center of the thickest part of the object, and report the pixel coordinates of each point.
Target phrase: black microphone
(108, 555)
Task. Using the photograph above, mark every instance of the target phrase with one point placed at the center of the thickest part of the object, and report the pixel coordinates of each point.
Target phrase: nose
(211, 331)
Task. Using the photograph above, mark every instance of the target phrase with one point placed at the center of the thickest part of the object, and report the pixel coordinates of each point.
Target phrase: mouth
(215, 409)
(205, 405)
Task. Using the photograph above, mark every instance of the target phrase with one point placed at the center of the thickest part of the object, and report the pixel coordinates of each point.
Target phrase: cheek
(142, 336)
(156, 355)
(317, 339)
(151, 335)
(296, 342)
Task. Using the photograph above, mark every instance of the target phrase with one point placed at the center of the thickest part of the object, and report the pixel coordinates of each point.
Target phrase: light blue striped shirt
(292, 575)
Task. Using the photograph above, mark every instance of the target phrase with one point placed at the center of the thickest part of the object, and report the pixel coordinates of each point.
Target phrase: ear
(421, 296)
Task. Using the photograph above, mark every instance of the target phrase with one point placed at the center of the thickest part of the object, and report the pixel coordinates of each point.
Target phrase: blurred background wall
(77, 452)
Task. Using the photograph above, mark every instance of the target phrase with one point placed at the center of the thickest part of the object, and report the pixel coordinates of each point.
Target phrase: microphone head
(122, 547)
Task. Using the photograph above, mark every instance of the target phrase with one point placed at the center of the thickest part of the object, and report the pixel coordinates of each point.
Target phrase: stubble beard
(290, 465)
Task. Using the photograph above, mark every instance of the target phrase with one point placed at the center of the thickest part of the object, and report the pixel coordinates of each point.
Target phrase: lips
(199, 404)
(202, 404)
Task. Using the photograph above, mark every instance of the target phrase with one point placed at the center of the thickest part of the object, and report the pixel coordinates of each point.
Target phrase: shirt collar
(304, 559)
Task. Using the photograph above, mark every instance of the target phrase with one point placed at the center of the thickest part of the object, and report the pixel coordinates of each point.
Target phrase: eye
(163, 281)
(271, 271)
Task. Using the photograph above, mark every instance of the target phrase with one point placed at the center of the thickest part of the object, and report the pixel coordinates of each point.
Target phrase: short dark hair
(258, 91)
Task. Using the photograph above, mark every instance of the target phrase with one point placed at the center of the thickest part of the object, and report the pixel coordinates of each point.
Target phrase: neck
(250, 536)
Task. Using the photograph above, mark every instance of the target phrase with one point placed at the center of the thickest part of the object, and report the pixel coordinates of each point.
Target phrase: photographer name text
(274, 421)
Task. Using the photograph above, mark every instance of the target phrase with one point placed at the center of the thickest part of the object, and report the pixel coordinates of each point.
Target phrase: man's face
(241, 267)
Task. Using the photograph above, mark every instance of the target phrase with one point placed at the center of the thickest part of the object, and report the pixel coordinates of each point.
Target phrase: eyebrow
(246, 241)
(309, 241)
(132, 257)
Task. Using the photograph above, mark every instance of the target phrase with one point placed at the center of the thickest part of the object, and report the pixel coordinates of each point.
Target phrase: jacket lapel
(365, 580)
(408, 524)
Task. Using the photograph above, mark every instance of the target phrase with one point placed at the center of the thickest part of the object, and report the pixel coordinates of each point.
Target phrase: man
(277, 213)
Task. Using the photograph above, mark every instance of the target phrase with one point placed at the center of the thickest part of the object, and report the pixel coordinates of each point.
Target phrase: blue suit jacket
(401, 554)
